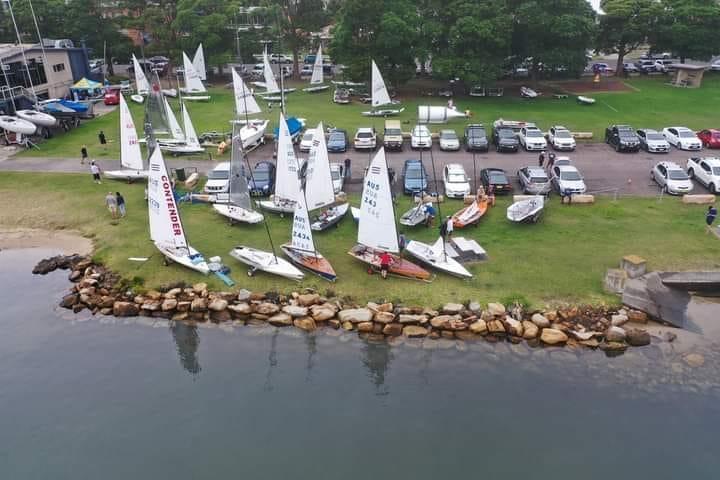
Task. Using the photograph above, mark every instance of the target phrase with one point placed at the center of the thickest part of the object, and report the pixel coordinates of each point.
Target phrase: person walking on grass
(120, 204)
(111, 203)
(83, 154)
(710, 217)
(102, 139)
(95, 170)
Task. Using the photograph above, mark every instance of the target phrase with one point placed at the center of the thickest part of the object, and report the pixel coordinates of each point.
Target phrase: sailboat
(191, 145)
(199, 63)
(193, 83)
(377, 232)
(270, 84)
(301, 249)
(472, 214)
(174, 134)
(435, 256)
(142, 86)
(130, 155)
(287, 189)
(380, 96)
(252, 132)
(317, 79)
(166, 229)
(238, 208)
(415, 215)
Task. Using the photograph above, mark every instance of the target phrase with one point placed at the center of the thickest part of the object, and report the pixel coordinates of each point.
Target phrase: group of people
(115, 203)
(550, 158)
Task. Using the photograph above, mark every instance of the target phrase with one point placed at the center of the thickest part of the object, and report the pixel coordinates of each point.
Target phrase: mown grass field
(561, 259)
(650, 104)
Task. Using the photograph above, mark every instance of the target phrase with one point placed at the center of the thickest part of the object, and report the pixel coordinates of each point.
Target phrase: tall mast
(22, 51)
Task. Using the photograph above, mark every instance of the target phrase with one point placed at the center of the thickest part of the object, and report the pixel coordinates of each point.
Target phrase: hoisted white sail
(141, 82)
(287, 186)
(245, 103)
(270, 84)
(239, 195)
(318, 179)
(302, 238)
(166, 229)
(317, 72)
(377, 227)
(157, 109)
(199, 63)
(175, 130)
(380, 94)
(130, 154)
(193, 83)
(191, 139)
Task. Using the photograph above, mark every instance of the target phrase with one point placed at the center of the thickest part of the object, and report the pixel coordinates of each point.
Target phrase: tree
(688, 28)
(625, 25)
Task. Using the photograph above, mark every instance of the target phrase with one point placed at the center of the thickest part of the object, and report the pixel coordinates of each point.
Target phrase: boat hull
(355, 212)
(238, 214)
(470, 215)
(319, 88)
(265, 261)
(137, 98)
(38, 118)
(182, 257)
(332, 217)
(128, 175)
(180, 149)
(425, 254)
(526, 211)
(170, 92)
(197, 98)
(414, 217)
(383, 113)
(315, 263)
(400, 267)
(273, 207)
(17, 125)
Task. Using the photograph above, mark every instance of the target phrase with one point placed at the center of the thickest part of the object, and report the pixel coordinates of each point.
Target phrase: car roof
(447, 130)
(712, 161)
(264, 163)
(364, 129)
(647, 130)
(456, 167)
(338, 130)
(535, 169)
(566, 168)
(679, 128)
(670, 165)
(559, 127)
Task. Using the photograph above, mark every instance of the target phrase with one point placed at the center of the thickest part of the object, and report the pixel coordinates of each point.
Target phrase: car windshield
(364, 135)
(219, 174)
(506, 133)
(562, 134)
(626, 133)
(335, 174)
(336, 138)
(533, 133)
(497, 177)
(308, 137)
(654, 136)
(414, 173)
(570, 176)
(393, 131)
(685, 133)
(457, 178)
(538, 179)
(476, 132)
(261, 175)
(449, 135)
(677, 174)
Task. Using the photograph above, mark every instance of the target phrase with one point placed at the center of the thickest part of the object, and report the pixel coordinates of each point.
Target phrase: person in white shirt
(95, 170)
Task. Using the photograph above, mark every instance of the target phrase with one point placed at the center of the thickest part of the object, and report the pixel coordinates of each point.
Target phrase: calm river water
(100, 398)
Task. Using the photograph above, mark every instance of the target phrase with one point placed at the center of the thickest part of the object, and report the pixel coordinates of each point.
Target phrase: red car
(112, 97)
(710, 138)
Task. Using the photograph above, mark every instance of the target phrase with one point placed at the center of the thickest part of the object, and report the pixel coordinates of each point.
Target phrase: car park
(682, 138)
(414, 177)
(495, 178)
(475, 137)
(645, 66)
(455, 181)
(622, 138)
(365, 139)
(533, 180)
(392, 136)
(671, 178)
(262, 180)
(420, 137)
(567, 180)
(706, 170)
(449, 140)
(710, 138)
(505, 139)
(280, 58)
(560, 138)
(531, 138)
(218, 179)
(337, 173)
(652, 141)
(337, 141)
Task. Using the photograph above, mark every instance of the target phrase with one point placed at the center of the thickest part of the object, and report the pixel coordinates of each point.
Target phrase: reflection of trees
(272, 361)
(311, 345)
(377, 357)
(186, 341)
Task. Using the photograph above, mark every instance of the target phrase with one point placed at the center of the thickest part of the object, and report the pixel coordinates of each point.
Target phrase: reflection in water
(187, 341)
(272, 362)
(311, 345)
(377, 357)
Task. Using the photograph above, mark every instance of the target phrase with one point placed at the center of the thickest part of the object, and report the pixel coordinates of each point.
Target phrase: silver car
(534, 180)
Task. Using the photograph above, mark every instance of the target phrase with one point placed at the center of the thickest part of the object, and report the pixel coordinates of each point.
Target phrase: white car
(682, 138)
(218, 179)
(337, 172)
(672, 178)
(365, 139)
(307, 140)
(532, 138)
(455, 181)
(420, 137)
(449, 140)
(715, 67)
(652, 141)
(560, 138)
(567, 180)
(706, 171)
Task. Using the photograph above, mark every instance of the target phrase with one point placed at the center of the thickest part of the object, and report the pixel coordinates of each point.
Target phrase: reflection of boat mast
(187, 341)
(377, 358)
(311, 344)
(272, 362)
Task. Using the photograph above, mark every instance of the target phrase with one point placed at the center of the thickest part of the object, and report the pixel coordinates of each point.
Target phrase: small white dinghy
(387, 112)
(252, 132)
(582, 100)
(330, 217)
(380, 96)
(526, 211)
(38, 118)
(170, 92)
(130, 154)
(137, 98)
(166, 229)
(287, 188)
(194, 87)
(17, 125)
(435, 256)
(527, 92)
(191, 145)
(317, 78)
(415, 216)
(265, 261)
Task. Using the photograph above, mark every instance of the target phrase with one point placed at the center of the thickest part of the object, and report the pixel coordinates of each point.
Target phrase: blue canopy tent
(295, 126)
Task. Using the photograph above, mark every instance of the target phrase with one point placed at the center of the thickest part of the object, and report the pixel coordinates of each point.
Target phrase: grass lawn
(653, 105)
(562, 258)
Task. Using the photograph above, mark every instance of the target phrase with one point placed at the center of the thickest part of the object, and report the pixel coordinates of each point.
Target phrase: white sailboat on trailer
(270, 84)
(287, 188)
(166, 229)
(317, 79)
(130, 154)
(252, 132)
(193, 83)
(199, 63)
(435, 256)
(380, 95)
(238, 207)
(191, 145)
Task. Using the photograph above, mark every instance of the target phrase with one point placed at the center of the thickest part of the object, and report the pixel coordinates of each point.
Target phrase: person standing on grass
(101, 137)
(443, 229)
(120, 204)
(449, 227)
(83, 154)
(710, 217)
(111, 203)
(95, 170)
(385, 261)
(541, 159)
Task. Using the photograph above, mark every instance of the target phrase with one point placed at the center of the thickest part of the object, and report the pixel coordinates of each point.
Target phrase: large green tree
(688, 29)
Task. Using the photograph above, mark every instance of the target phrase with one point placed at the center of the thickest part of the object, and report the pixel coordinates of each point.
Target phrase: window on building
(59, 67)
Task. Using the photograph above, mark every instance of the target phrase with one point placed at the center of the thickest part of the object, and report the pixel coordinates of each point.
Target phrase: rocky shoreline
(101, 291)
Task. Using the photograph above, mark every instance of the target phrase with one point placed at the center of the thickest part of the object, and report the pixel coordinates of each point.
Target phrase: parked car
(602, 68)
(560, 138)
(306, 71)
(476, 138)
(337, 173)
(652, 141)
(567, 180)
(645, 66)
(505, 139)
(307, 140)
(561, 161)
(218, 179)
(112, 97)
(655, 56)
(715, 67)
(414, 177)
(682, 138)
(365, 139)
(622, 138)
(495, 178)
(392, 137)
(630, 68)
(706, 171)
(534, 180)
(671, 178)
(449, 140)
(710, 138)
(337, 141)
(531, 138)
(420, 137)
(280, 58)
(455, 181)
(262, 181)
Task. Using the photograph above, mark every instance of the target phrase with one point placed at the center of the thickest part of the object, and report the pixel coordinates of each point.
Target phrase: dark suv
(622, 138)
(415, 179)
(476, 138)
(505, 139)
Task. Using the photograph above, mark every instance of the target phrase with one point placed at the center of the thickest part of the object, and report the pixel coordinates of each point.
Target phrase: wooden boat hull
(316, 264)
(470, 215)
(238, 214)
(399, 267)
(128, 175)
(186, 258)
(332, 218)
(265, 261)
(444, 263)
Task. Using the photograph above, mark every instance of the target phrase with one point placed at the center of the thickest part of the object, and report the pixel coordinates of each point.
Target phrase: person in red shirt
(385, 261)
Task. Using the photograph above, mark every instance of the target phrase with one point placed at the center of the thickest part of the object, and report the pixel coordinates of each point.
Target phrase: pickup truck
(706, 171)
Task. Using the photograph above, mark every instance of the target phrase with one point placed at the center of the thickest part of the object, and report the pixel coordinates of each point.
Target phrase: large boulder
(199, 304)
(615, 334)
(267, 308)
(218, 305)
(540, 320)
(169, 304)
(355, 315)
(496, 309)
(200, 288)
(295, 311)
(637, 338)
(550, 336)
(321, 313)
(125, 309)
(69, 300)
(308, 299)
(393, 329)
(618, 320)
(514, 327)
(365, 327)
(452, 308)
(530, 330)
(475, 307)
(280, 319)
(305, 323)
(442, 322)
(415, 331)
(240, 309)
(479, 327)
(384, 317)
(407, 318)
(496, 327)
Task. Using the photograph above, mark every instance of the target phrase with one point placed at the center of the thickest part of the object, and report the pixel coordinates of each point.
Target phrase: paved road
(602, 167)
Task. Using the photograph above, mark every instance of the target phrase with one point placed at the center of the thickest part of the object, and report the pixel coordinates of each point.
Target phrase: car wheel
(679, 146)
(713, 189)
(665, 190)
(691, 173)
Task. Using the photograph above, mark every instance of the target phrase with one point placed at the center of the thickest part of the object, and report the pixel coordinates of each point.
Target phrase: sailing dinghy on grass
(380, 96)
(270, 84)
(130, 155)
(252, 132)
(199, 63)
(436, 257)
(287, 189)
(142, 86)
(191, 145)
(317, 79)
(193, 84)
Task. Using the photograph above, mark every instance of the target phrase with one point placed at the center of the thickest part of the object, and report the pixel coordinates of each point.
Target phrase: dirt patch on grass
(586, 86)
(67, 241)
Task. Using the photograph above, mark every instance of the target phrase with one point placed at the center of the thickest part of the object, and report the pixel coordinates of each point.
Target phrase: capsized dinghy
(528, 210)
(435, 256)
